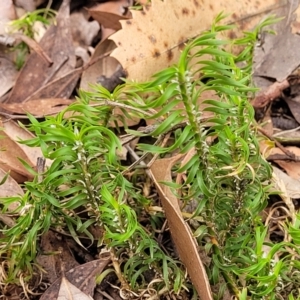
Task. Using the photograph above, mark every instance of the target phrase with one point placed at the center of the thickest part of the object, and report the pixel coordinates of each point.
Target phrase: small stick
(285, 151)
(273, 91)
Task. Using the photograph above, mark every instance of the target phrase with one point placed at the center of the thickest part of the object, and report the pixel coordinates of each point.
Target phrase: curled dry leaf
(181, 233)
(153, 38)
(106, 71)
(104, 67)
(110, 13)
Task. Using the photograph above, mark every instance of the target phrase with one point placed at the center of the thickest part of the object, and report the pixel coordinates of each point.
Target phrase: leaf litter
(145, 42)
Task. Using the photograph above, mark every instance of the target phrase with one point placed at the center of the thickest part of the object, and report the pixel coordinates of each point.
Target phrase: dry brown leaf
(181, 233)
(153, 38)
(43, 107)
(61, 87)
(284, 44)
(50, 242)
(82, 276)
(35, 47)
(15, 132)
(83, 30)
(8, 75)
(292, 168)
(10, 187)
(57, 43)
(104, 67)
(110, 13)
(9, 162)
(294, 150)
(12, 133)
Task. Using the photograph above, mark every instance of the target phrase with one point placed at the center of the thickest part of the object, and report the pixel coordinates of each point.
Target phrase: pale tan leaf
(153, 38)
(289, 189)
(68, 291)
(292, 186)
(181, 233)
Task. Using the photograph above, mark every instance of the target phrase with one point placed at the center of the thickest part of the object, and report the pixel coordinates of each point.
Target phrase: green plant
(228, 179)
(25, 25)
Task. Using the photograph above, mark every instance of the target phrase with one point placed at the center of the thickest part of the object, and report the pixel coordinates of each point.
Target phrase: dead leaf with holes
(181, 233)
(153, 38)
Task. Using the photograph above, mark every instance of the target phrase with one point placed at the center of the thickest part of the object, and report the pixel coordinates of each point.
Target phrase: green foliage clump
(227, 178)
(25, 25)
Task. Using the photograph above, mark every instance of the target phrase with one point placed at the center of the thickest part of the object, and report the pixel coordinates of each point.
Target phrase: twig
(285, 151)
(273, 92)
(40, 167)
